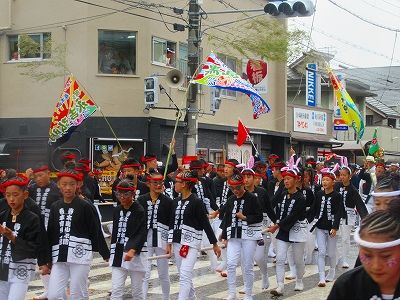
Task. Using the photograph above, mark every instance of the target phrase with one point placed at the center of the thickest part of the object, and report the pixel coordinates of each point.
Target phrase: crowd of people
(237, 214)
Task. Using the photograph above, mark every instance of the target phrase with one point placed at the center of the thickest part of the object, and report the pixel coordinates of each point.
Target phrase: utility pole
(193, 63)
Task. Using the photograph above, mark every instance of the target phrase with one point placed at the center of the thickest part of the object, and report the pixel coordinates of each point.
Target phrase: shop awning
(316, 139)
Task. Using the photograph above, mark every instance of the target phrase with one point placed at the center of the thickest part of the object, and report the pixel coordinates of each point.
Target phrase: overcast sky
(354, 42)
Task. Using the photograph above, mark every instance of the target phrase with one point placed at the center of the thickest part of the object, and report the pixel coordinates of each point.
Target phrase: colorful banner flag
(215, 73)
(243, 132)
(349, 111)
(374, 147)
(71, 110)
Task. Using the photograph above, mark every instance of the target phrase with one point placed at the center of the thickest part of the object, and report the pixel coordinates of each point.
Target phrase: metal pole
(193, 62)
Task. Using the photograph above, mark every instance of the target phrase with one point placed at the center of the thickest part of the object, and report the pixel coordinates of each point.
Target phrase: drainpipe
(9, 18)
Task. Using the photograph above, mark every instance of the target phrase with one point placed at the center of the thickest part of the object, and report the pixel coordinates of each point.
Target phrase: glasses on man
(124, 194)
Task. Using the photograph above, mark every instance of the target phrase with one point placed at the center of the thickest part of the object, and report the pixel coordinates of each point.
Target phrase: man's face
(248, 181)
(130, 171)
(276, 171)
(42, 178)
(152, 164)
(379, 171)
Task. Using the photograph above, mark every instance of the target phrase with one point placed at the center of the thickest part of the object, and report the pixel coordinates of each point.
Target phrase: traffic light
(215, 99)
(290, 8)
(151, 90)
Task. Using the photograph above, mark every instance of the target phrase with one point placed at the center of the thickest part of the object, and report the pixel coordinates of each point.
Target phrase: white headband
(373, 245)
(386, 194)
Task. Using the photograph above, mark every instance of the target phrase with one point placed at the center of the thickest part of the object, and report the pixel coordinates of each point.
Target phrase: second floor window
(164, 52)
(117, 52)
(27, 47)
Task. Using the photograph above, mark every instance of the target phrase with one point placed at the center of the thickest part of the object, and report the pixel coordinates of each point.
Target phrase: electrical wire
(126, 12)
(362, 18)
(390, 66)
(380, 8)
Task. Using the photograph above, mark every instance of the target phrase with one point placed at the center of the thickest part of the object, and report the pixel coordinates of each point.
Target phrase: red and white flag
(243, 132)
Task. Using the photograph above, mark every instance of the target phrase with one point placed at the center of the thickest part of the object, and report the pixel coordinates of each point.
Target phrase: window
(392, 123)
(164, 52)
(29, 46)
(183, 63)
(230, 62)
(369, 120)
(117, 52)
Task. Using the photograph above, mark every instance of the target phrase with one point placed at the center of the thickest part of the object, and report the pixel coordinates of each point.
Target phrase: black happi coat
(129, 232)
(327, 220)
(265, 204)
(203, 192)
(275, 188)
(187, 222)
(102, 246)
(290, 208)
(73, 231)
(157, 217)
(233, 227)
(356, 284)
(18, 259)
(44, 197)
(44, 255)
(351, 198)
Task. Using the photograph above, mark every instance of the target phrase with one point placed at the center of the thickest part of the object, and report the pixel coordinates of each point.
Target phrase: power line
(362, 18)
(380, 8)
(126, 12)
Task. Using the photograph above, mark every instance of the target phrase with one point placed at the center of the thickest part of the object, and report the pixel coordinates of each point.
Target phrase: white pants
(217, 231)
(345, 231)
(13, 290)
(261, 255)
(281, 255)
(185, 267)
(326, 245)
(210, 253)
(78, 275)
(234, 250)
(163, 275)
(118, 278)
(310, 246)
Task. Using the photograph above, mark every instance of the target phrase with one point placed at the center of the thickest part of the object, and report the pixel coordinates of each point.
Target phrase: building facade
(110, 47)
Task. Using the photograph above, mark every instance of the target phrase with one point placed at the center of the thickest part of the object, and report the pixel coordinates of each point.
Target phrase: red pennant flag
(243, 132)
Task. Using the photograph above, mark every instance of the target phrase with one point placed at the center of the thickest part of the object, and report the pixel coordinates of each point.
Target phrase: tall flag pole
(214, 73)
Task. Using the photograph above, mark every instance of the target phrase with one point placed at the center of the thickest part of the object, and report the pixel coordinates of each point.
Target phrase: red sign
(256, 71)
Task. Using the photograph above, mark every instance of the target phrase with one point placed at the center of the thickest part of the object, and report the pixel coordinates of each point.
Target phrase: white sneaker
(242, 292)
(42, 296)
(290, 277)
(265, 282)
(345, 265)
(271, 253)
(299, 285)
(331, 275)
(322, 283)
(278, 291)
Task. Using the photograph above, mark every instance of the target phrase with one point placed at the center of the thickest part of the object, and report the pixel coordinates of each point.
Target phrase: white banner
(309, 121)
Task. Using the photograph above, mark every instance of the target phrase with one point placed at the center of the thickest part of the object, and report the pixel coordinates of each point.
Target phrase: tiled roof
(383, 108)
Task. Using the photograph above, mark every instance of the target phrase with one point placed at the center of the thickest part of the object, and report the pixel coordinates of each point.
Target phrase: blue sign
(340, 127)
(311, 84)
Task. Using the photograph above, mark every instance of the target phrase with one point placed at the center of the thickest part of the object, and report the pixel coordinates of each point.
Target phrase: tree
(265, 38)
(46, 69)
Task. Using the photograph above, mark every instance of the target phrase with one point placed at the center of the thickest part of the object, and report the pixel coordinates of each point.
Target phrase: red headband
(97, 172)
(21, 183)
(290, 173)
(120, 188)
(380, 164)
(158, 178)
(131, 166)
(234, 182)
(41, 169)
(330, 175)
(230, 163)
(190, 179)
(85, 161)
(69, 156)
(259, 175)
(280, 166)
(197, 167)
(77, 177)
(221, 169)
(273, 156)
(149, 158)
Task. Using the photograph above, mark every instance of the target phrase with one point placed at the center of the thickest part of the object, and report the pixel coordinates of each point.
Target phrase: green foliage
(266, 38)
(43, 70)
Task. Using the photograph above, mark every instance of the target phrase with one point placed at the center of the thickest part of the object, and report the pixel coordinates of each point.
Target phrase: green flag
(374, 144)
